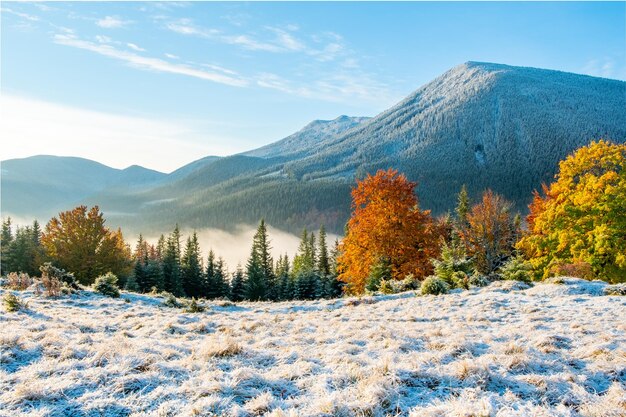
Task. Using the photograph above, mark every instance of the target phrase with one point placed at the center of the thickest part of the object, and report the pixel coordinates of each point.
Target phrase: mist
(234, 247)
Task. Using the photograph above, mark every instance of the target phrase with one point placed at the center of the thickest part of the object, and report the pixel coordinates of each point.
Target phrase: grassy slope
(552, 350)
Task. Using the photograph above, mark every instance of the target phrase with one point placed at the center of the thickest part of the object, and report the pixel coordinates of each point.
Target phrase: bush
(107, 285)
(19, 281)
(517, 269)
(577, 269)
(409, 283)
(434, 285)
(460, 280)
(170, 300)
(387, 287)
(194, 307)
(478, 280)
(62, 275)
(12, 303)
(453, 260)
(617, 289)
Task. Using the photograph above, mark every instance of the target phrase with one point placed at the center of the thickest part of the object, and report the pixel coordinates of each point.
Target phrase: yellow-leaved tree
(79, 242)
(580, 220)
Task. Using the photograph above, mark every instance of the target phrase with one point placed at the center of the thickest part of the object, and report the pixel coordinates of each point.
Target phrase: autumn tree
(78, 241)
(490, 232)
(386, 223)
(581, 216)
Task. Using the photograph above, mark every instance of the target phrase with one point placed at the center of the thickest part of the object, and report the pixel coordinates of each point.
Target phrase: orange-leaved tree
(386, 224)
(581, 217)
(79, 242)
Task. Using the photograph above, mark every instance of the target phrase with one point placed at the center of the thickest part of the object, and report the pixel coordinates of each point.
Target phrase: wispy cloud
(135, 47)
(171, 56)
(607, 67)
(26, 16)
(112, 22)
(148, 63)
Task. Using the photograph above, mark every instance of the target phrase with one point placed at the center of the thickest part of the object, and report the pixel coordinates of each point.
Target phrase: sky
(163, 84)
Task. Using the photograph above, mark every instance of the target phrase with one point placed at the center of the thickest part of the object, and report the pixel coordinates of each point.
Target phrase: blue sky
(162, 84)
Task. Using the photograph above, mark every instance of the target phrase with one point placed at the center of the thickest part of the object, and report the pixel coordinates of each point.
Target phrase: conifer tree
(259, 269)
(462, 208)
(160, 248)
(211, 291)
(219, 279)
(172, 282)
(323, 263)
(153, 277)
(6, 237)
(191, 268)
(238, 286)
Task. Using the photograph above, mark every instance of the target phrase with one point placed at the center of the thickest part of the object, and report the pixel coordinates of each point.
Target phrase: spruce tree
(6, 237)
(259, 269)
(238, 286)
(462, 208)
(211, 289)
(191, 268)
(171, 265)
(219, 279)
(153, 277)
(323, 263)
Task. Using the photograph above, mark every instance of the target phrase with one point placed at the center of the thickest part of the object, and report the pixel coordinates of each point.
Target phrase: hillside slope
(552, 350)
(480, 124)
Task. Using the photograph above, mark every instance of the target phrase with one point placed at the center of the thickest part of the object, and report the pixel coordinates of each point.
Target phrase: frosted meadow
(554, 349)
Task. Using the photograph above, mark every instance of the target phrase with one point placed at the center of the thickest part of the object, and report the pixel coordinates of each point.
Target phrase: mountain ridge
(485, 125)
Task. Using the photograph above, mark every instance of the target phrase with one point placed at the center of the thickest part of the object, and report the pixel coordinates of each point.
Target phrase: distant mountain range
(480, 124)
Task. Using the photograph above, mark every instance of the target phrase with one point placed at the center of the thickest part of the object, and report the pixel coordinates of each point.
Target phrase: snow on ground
(552, 350)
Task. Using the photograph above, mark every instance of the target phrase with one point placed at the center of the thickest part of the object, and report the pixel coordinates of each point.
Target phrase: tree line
(576, 227)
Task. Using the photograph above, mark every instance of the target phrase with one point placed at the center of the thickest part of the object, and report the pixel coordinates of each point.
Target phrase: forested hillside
(484, 125)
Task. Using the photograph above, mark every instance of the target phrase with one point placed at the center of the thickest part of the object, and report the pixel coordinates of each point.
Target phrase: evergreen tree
(219, 279)
(153, 277)
(172, 282)
(259, 268)
(238, 286)
(463, 207)
(211, 287)
(334, 255)
(323, 263)
(191, 268)
(6, 237)
(160, 248)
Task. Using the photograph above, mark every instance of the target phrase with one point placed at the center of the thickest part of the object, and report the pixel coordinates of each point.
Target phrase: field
(555, 349)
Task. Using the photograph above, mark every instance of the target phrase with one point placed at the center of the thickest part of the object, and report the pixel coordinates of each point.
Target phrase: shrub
(617, 289)
(577, 269)
(194, 307)
(434, 285)
(453, 260)
(61, 274)
(12, 303)
(19, 281)
(410, 282)
(170, 300)
(107, 285)
(460, 280)
(387, 287)
(478, 280)
(517, 269)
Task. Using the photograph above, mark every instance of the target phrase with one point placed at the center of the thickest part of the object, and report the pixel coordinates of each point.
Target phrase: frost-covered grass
(555, 349)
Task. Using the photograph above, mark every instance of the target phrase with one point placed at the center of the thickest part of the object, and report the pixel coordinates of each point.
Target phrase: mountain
(40, 186)
(480, 124)
(306, 141)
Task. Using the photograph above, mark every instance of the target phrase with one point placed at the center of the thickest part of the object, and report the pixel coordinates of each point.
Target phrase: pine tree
(160, 248)
(334, 255)
(259, 268)
(153, 277)
(211, 288)
(237, 286)
(191, 268)
(323, 263)
(462, 208)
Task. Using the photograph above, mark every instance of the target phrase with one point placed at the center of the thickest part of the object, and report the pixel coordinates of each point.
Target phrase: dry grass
(553, 350)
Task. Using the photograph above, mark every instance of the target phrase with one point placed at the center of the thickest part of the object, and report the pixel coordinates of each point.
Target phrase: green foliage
(453, 259)
(64, 277)
(460, 280)
(478, 280)
(238, 286)
(107, 285)
(191, 268)
(22, 251)
(380, 271)
(131, 284)
(260, 272)
(434, 285)
(172, 280)
(170, 300)
(386, 287)
(323, 261)
(194, 307)
(517, 269)
(12, 303)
